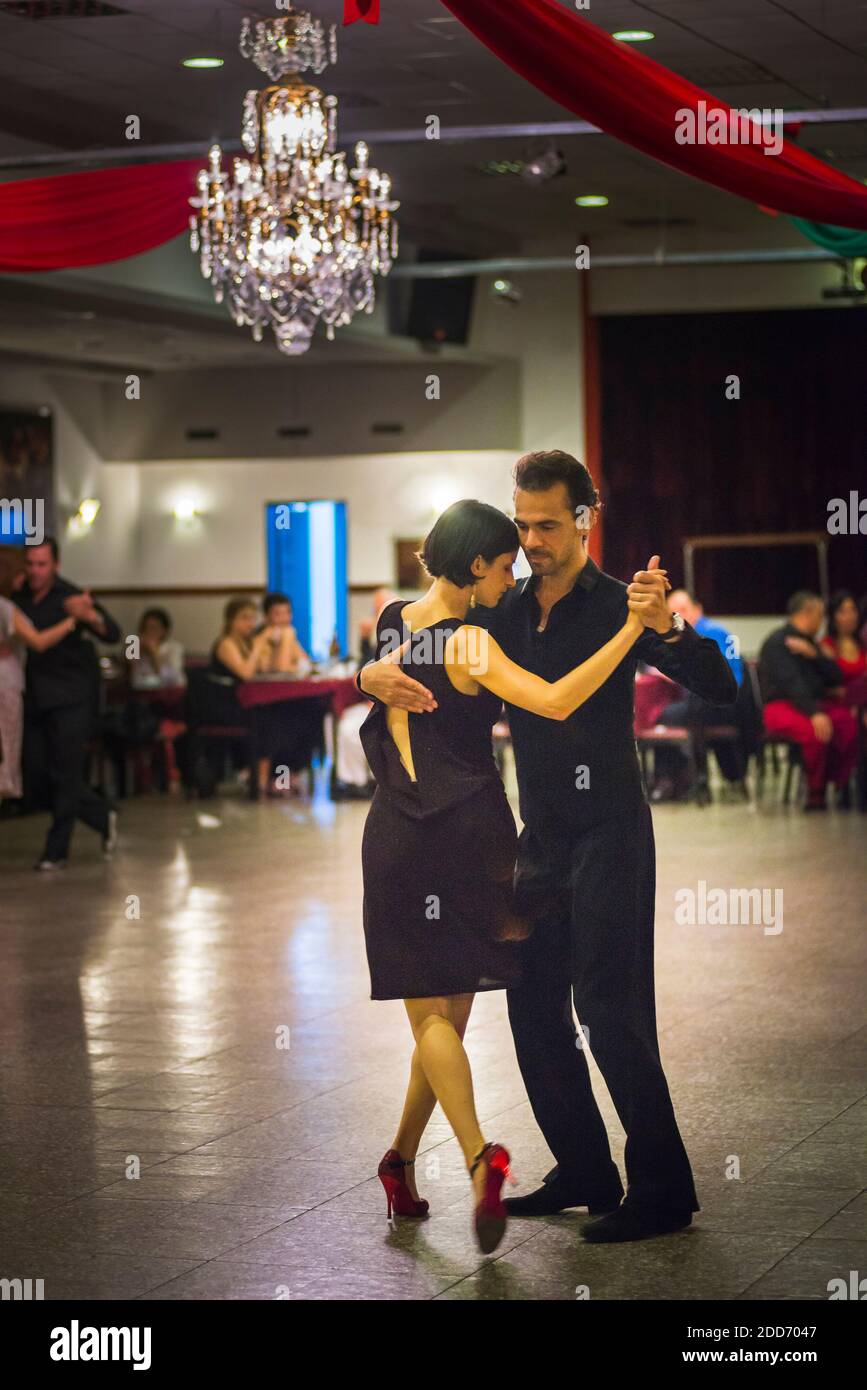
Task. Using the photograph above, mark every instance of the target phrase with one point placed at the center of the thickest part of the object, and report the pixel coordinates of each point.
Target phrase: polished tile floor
(197, 1088)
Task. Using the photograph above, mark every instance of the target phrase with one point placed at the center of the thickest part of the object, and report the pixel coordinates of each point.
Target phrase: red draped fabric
(105, 215)
(636, 100)
(87, 219)
(368, 10)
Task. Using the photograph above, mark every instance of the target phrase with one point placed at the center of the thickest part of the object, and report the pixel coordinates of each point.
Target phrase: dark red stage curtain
(87, 219)
(680, 459)
(636, 100)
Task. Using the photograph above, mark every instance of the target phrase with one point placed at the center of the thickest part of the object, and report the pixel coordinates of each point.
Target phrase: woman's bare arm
(243, 666)
(40, 641)
(290, 653)
(472, 651)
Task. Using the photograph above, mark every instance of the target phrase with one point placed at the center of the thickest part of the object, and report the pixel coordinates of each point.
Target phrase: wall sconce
(83, 519)
(185, 509)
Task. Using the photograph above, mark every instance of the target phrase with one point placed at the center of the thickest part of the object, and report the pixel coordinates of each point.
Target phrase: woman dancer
(440, 841)
(17, 634)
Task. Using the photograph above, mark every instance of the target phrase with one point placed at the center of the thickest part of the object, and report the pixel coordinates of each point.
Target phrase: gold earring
(473, 597)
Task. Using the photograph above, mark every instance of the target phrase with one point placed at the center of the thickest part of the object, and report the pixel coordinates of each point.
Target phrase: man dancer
(60, 700)
(586, 866)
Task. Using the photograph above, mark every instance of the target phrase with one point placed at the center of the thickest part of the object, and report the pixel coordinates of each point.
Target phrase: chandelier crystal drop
(295, 235)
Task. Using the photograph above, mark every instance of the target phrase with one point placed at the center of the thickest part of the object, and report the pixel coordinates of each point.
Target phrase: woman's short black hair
(467, 529)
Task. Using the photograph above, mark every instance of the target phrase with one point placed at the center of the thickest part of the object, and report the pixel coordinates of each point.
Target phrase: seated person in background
(367, 626)
(300, 724)
(161, 659)
(845, 641)
(285, 733)
(236, 656)
(671, 763)
(283, 651)
(800, 687)
(842, 642)
(160, 666)
(237, 653)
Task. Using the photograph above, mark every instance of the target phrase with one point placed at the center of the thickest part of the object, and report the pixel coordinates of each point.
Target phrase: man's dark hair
(159, 615)
(467, 529)
(51, 542)
(545, 468)
(800, 600)
(271, 600)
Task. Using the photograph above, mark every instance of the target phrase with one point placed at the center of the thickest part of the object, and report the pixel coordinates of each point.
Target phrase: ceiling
(67, 85)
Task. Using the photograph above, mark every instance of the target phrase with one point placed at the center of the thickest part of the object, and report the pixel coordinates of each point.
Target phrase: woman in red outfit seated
(843, 645)
(846, 643)
(802, 688)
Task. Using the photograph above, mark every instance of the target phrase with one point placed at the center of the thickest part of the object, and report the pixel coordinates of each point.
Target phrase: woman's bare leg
(420, 1099)
(446, 1066)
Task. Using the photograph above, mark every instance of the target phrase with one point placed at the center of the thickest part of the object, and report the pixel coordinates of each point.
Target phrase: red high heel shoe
(400, 1199)
(490, 1214)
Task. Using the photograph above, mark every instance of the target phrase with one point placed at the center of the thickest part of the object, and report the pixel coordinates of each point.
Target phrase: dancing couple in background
(455, 902)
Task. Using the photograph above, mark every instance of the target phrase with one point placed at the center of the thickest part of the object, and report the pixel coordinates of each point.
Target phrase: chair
(673, 736)
(773, 742)
(743, 730)
(216, 724)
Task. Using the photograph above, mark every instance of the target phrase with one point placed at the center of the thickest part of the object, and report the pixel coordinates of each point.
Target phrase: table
(171, 699)
(339, 691)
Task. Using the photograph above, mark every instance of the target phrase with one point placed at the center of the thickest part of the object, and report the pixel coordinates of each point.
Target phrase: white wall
(136, 542)
(545, 331)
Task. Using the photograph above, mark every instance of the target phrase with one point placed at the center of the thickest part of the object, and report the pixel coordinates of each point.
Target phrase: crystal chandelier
(295, 235)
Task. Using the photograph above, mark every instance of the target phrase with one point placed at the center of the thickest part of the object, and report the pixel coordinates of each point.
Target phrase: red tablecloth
(341, 691)
(170, 698)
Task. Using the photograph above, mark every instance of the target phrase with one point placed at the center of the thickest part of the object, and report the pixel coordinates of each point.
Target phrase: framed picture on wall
(409, 573)
(26, 468)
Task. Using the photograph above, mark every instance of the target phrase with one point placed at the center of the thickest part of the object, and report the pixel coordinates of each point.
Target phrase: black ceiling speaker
(440, 310)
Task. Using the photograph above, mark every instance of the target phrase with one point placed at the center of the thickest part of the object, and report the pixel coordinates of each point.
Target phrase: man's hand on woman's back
(384, 680)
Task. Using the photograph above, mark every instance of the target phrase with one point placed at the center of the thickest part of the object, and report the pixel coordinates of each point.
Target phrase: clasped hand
(646, 596)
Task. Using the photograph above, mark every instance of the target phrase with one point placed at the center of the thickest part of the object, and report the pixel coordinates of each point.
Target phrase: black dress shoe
(557, 1195)
(635, 1223)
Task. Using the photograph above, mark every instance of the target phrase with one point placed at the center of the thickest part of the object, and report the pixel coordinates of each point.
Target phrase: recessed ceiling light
(203, 62)
(592, 200)
(633, 36)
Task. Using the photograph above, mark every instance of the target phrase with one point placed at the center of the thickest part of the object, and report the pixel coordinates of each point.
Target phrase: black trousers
(693, 710)
(594, 943)
(55, 742)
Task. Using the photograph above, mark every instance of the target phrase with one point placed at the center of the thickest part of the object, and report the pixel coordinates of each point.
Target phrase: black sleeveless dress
(438, 854)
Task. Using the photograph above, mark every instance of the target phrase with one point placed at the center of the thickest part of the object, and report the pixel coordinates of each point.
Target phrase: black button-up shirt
(802, 680)
(575, 772)
(67, 673)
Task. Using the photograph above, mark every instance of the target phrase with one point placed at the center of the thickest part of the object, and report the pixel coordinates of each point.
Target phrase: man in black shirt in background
(60, 701)
(586, 865)
(801, 686)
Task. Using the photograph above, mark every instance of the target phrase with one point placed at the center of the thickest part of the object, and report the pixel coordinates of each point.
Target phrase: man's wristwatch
(677, 627)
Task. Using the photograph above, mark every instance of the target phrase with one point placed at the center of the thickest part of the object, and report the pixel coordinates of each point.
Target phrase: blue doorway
(307, 560)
